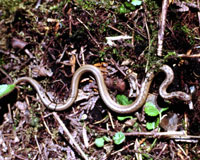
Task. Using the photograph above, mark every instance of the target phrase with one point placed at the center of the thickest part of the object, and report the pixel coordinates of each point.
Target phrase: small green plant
(9, 7)
(123, 100)
(122, 118)
(34, 122)
(99, 142)
(102, 55)
(119, 138)
(6, 89)
(129, 5)
(151, 110)
(169, 54)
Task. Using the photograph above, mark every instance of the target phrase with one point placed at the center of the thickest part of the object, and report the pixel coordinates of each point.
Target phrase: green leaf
(151, 110)
(6, 89)
(170, 54)
(163, 109)
(123, 100)
(136, 2)
(157, 122)
(107, 139)
(123, 9)
(151, 125)
(118, 138)
(129, 6)
(99, 142)
(122, 118)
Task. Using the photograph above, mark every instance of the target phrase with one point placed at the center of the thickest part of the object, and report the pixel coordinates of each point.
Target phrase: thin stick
(116, 30)
(38, 4)
(7, 75)
(89, 32)
(163, 149)
(39, 149)
(198, 13)
(122, 149)
(111, 120)
(69, 135)
(189, 56)
(162, 27)
(169, 134)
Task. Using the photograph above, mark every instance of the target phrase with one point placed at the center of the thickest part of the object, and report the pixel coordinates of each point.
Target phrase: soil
(49, 40)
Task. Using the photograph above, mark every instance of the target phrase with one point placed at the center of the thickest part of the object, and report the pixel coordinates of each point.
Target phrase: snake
(104, 94)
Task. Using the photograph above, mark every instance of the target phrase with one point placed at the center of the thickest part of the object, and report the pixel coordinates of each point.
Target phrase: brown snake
(123, 109)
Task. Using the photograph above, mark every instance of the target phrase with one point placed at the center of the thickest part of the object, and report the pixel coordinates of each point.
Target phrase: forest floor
(49, 40)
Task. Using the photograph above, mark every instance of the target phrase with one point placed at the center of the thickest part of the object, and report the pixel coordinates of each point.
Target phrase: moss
(186, 32)
(9, 7)
(59, 6)
(93, 4)
(1, 61)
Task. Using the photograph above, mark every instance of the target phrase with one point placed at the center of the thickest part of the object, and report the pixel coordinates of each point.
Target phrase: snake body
(122, 109)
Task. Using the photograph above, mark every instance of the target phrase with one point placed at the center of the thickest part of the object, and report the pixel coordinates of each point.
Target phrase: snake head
(183, 96)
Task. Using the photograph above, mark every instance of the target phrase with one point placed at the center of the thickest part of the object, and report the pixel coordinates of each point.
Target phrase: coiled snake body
(123, 109)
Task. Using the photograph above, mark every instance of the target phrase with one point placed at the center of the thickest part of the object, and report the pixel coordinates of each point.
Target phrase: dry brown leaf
(41, 71)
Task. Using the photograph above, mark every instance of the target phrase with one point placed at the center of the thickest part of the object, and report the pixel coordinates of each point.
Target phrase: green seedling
(119, 138)
(122, 118)
(151, 110)
(129, 5)
(5, 89)
(99, 142)
(123, 100)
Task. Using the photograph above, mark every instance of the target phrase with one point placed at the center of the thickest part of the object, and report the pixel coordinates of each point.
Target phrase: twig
(116, 38)
(89, 32)
(69, 13)
(147, 28)
(122, 149)
(69, 135)
(180, 136)
(149, 41)
(85, 137)
(62, 54)
(116, 30)
(35, 156)
(4, 52)
(163, 149)
(117, 66)
(39, 149)
(182, 150)
(137, 147)
(162, 27)
(198, 13)
(7, 75)
(37, 4)
(82, 50)
(111, 120)
(189, 56)
(169, 134)
(47, 128)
